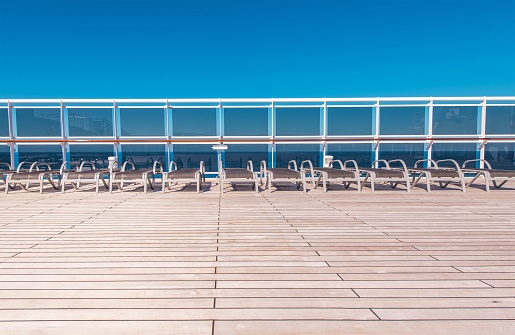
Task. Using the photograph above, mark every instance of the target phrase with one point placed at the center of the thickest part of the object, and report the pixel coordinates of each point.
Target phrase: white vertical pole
(378, 129)
(482, 133)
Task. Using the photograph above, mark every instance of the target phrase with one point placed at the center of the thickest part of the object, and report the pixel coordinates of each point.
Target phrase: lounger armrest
(449, 160)
(113, 167)
(353, 163)
(250, 166)
(303, 169)
(378, 161)
(430, 161)
(172, 166)
(18, 169)
(124, 166)
(202, 168)
(294, 163)
(84, 163)
(476, 160)
(6, 164)
(404, 167)
(336, 161)
(262, 167)
(155, 169)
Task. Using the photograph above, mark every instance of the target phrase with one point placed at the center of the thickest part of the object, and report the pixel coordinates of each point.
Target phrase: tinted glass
(349, 121)
(362, 153)
(500, 120)
(402, 120)
(142, 121)
(194, 121)
(45, 122)
(90, 121)
(4, 123)
(451, 120)
(408, 152)
(460, 152)
(51, 154)
(246, 121)
(143, 156)
(500, 155)
(96, 153)
(190, 155)
(298, 153)
(237, 155)
(5, 155)
(297, 121)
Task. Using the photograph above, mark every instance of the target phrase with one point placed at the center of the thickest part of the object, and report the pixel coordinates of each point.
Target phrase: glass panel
(460, 152)
(97, 153)
(246, 121)
(4, 123)
(298, 153)
(143, 156)
(350, 121)
(90, 122)
(402, 120)
(5, 155)
(142, 121)
(362, 153)
(408, 152)
(43, 122)
(52, 154)
(297, 121)
(500, 155)
(450, 120)
(190, 155)
(194, 121)
(237, 155)
(500, 120)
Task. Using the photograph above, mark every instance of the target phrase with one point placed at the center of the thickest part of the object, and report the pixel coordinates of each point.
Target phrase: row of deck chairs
(393, 173)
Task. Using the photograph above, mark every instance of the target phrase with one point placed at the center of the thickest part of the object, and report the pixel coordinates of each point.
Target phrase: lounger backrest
(294, 164)
(430, 163)
(488, 166)
(7, 165)
(344, 167)
(377, 163)
(19, 168)
(156, 169)
(452, 161)
(250, 166)
(400, 161)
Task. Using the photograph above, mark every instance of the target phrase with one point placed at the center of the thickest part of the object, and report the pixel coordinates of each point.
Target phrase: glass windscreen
(194, 121)
(500, 155)
(143, 156)
(90, 121)
(38, 122)
(51, 154)
(408, 152)
(299, 153)
(237, 155)
(4, 122)
(142, 121)
(245, 121)
(500, 120)
(297, 121)
(402, 120)
(452, 120)
(190, 155)
(348, 121)
(95, 153)
(362, 153)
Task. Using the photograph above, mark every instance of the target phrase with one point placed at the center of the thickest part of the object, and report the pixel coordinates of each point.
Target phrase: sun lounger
(38, 172)
(342, 174)
(490, 175)
(290, 174)
(438, 173)
(386, 174)
(238, 175)
(86, 172)
(190, 175)
(144, 177)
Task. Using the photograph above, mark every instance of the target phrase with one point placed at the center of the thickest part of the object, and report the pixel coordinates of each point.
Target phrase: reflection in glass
(143, 156)
(298, 153)
(460, 152)
(349, 121)
(96, 153)
(5, 155)
(500, 155)
(245, 121)
(44, 122)
(4, 123)
(51, 154)
(452, 120)
(500, 120)
(90, 121)
(142, 121)
(237, 155)
(362, 153)
(190, 155)
(408, 152)
(402, 120)
(297, 121)
(194, 121)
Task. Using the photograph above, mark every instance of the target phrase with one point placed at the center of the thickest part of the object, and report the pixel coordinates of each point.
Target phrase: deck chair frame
(385, 174)
(325, 177)
(431, 173)
(174, 176)
(505, 175)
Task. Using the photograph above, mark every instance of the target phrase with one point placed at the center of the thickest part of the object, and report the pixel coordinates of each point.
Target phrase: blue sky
(251, 48)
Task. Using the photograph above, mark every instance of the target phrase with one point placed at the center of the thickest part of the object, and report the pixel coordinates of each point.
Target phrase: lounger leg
(41, 184)
(408, 186)
(63, 184)
(257, 185)
(304, 182)
(358, 182)
(269, 181)
(198, 184)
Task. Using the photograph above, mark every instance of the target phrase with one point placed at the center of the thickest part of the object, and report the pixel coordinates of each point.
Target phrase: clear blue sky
(251, 48)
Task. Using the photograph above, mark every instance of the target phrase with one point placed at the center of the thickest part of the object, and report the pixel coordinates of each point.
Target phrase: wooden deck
(342, 262)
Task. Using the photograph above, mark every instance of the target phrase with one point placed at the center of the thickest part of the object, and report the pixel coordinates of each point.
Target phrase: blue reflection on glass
(460, 152)
(362, 153)
(349, 121)
(96, 153)
(298, 153)
(455, 120)
(500, 120)
(143, 156)
(51, 154)
(297, 121)
(194, 121)
(408, 152)
(5, 154)
(190, 155)
(44, 122)
(237, 155)
(142, 121)
(246, 121)
(402, 120)
(90, 121)
(4, 123)
(500, 155)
